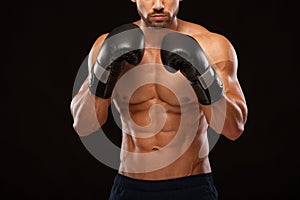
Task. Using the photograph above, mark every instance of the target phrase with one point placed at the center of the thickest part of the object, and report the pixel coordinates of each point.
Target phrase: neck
(174, 25)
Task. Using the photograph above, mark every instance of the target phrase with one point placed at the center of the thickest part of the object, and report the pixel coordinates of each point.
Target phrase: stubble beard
(159, 24)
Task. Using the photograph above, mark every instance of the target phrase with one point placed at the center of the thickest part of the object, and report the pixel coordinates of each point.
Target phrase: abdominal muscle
(164, 135)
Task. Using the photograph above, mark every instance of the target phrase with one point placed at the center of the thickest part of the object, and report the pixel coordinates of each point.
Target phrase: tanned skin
(226, 116)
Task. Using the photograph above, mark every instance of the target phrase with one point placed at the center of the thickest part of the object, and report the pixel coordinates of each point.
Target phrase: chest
(150, 80)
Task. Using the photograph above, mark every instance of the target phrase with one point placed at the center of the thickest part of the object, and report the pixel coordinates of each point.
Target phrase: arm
(89, 111)
(107, 58)
(231, 120)
(211, 70)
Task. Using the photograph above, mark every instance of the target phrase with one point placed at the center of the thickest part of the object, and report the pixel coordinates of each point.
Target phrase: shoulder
(96, 48)
(217, 47)
(219, 51)
(98, 42)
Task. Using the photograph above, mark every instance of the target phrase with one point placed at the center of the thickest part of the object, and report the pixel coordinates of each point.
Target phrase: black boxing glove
(124, 43)
(182, 52)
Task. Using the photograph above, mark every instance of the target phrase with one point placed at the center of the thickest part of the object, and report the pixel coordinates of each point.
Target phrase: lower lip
(159, 18)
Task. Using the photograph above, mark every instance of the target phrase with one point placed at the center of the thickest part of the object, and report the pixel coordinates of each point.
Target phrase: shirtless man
(169, 79)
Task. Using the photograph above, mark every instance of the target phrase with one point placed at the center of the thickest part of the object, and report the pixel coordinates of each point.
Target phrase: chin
(160, 24)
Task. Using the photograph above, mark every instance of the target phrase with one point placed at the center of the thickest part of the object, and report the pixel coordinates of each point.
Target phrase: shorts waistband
(167, 184)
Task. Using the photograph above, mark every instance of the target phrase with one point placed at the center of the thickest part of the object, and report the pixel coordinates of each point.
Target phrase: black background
(43, 157)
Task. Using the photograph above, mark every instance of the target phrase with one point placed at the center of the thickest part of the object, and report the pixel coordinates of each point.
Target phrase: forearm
(227, 116)
(89, 112)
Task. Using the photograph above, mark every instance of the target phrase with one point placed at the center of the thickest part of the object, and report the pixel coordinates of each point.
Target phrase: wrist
(97, 87)
(208, 87)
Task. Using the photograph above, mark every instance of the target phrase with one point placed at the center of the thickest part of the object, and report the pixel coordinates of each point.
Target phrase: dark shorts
(200, 187)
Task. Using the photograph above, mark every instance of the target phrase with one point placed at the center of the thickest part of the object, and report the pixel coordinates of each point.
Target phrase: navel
(155, 148)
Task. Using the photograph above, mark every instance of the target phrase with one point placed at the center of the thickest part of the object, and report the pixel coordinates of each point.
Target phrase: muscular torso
(164, 131)
(164, 127)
